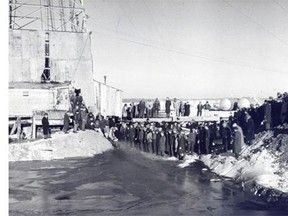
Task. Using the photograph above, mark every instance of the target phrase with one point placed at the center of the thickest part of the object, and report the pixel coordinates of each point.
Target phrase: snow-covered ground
(264, 164)
(82, 144)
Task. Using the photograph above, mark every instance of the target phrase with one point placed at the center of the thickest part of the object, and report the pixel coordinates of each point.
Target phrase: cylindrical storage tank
(243, 103)
(225, 104)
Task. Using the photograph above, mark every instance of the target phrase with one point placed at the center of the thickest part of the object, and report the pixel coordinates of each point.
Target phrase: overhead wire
(276, 2)
(189, 54)
(257, 23)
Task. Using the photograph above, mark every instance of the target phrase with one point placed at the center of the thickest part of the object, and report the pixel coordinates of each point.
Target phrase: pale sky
(189, 48)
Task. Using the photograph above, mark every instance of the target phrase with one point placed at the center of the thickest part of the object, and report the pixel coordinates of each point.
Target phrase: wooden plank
(152, 119)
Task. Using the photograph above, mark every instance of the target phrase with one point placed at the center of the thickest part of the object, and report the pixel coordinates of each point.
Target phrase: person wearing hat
(238, 139)
(45, 125)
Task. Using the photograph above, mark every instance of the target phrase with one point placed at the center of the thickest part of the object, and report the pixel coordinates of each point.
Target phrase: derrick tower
(47, 15)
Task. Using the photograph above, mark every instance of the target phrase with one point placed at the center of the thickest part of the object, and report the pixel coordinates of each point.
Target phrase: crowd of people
(178, 139)
(149, 109)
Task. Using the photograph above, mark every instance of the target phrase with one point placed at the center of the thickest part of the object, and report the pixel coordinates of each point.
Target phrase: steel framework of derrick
(47, 15)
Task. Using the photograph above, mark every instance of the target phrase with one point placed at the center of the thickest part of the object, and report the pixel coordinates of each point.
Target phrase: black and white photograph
(146, 107)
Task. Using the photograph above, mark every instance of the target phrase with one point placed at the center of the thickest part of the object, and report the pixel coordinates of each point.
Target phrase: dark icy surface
(125, 183)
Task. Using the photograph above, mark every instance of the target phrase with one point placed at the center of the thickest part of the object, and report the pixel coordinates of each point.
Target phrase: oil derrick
(47, 15)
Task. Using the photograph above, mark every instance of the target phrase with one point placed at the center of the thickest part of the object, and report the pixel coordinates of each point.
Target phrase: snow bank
(259, 165)
(82, 144)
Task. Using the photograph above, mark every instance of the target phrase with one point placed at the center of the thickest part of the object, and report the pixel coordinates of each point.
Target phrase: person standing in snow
(176, 106)
(77, 118)
(45, 125)
(206, 107)
(162, 142)
(181, 146)
(267, 115)
(250, 134)
(84, 117)
(199, 109)
(149, 139)
(124, 112)
(187, 109)
(141, 137)
(226, 136)
(238, 139)
(207, 139)
(156, 108)
(167, 107)
(66, 122)
(191, 140)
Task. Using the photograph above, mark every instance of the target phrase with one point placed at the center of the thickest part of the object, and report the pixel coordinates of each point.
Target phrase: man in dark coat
(267, 115)
(181, 146)
(199, 109)
(250, 133)
(207, 139)
(142, 107)
(191, 140)
(90, 121)
(202, 140)
(284, 110)
(154, 137)
(84, 117)
(45, 125)
(187, 109)
(141, 137)
(170, 142)
(162, 141)
(167, 107)
(226, 136)
(156, 108)
(66, 122)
